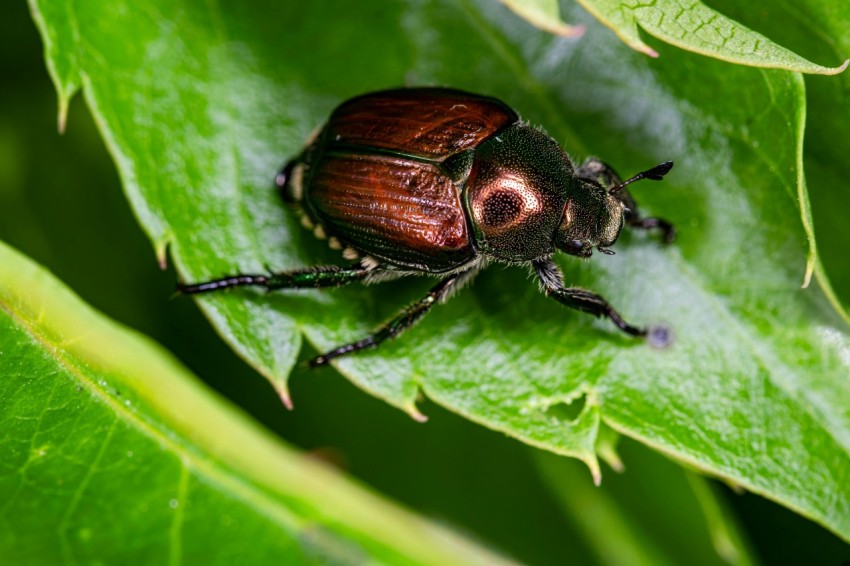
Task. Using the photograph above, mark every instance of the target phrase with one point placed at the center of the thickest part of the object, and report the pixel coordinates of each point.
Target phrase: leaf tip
(565, 30)
(810, 269)
(161, 250)
(639, 46)
(595, 471)
(837, 70)
(281, 387)
(647, 50)
(415, 413)
(821, 70)
(285, 398)
(62, 114)
(633, 40)
(545, 19)
(610, 456)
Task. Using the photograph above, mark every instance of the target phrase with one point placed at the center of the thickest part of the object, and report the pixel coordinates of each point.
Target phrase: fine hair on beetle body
(442, 182)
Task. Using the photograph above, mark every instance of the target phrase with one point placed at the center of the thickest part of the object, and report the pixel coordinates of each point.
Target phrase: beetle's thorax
(516, 193)
(593, 218)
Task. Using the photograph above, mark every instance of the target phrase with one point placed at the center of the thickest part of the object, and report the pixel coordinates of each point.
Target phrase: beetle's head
(593, 219)
(595, 214)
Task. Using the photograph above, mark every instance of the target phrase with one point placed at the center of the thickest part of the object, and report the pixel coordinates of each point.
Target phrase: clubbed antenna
(655, 174)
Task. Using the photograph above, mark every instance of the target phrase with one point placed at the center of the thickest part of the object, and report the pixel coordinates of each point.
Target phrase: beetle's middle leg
(600, 172)
(306, 278)
(404, 320)
(552, 282)
(596, 170)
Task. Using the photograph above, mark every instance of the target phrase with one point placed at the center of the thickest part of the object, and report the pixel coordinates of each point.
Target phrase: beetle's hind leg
(552, 283)
(404, 320)
(600, 172)
(306, 278)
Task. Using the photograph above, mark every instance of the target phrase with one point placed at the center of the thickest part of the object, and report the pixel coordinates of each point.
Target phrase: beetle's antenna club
(655, 174)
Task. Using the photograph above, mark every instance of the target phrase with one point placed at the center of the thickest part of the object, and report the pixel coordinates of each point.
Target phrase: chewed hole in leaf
(569, 410)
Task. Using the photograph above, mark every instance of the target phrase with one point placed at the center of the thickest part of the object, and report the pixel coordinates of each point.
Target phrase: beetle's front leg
(635, 220)
(668, 231)
(552, 283)
(306, 278)
(600, 172)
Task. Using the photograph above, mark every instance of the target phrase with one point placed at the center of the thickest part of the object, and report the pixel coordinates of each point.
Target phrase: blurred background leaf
(652, 511)
(50, 183)
(111, 449)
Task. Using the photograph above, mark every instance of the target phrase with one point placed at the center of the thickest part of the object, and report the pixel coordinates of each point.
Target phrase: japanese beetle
(440, 182)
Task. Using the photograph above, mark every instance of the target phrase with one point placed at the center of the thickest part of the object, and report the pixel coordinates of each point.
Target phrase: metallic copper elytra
(404, 211)
(430, 123)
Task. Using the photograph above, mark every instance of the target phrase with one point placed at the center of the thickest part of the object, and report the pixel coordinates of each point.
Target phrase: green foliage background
(62, 206)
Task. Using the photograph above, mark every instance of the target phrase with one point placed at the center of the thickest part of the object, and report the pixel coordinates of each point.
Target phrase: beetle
(441, 182)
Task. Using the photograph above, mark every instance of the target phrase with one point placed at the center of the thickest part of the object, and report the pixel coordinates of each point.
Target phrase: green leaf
(727, 538)
(203, 104)
(657, 512)
(816, 28)
(110, 449)
(544, 14)
(689, 25)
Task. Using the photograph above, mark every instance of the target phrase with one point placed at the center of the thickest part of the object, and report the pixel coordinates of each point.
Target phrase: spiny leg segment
(552, 282)
(404, 320)
(307, 278)
(334, 276)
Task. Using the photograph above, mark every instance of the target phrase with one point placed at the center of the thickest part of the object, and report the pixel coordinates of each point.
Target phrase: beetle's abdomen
(404, 212)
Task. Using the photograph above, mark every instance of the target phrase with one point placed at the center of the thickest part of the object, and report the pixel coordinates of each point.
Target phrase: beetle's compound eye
(578, 248)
